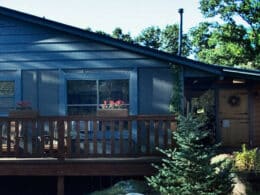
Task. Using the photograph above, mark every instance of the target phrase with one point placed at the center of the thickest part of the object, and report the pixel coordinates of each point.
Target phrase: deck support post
(60, 185)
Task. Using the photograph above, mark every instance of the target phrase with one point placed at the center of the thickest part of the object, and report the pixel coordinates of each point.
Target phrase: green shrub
(247, 160)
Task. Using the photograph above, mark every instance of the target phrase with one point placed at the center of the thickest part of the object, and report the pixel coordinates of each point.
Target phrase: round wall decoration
(234, 100)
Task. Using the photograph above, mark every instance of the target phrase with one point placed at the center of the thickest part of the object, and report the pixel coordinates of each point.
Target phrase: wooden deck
(83, 146)
(66, 141)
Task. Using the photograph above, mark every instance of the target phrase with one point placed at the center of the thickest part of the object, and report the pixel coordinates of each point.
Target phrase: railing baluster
(8, 132)
(12, 137)
(95, 137)
(86, 140)
(69, 138)
(121, 141)
(148, 129)
(112, 131)
(61, 131)
(34, 138)
(156, 135)
(17, 138)
(77, 138)
(65, 137)
(51, 136)
(164, 128)
(25, 136)
(130, 132)
(42, 138)
(139, 129)
(103, 128)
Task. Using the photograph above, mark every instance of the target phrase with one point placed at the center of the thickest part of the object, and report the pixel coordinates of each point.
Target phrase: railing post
(61, 131)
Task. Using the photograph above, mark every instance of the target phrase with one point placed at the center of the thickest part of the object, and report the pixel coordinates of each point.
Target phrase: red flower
(111, 104)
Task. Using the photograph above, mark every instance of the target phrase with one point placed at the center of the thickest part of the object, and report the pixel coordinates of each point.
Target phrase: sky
(105, 15)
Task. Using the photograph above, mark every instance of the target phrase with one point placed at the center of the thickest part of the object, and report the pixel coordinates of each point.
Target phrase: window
(85, 97)
(7, 96)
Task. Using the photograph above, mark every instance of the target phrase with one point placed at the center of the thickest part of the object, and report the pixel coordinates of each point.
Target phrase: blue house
(44, 62)
(65, 71)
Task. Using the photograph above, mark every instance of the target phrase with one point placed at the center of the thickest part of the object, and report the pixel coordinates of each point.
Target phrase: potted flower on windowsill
(23, 109)
(111, 108)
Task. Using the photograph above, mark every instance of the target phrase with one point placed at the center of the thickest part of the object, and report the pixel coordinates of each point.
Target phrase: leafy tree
(164, 39)
(229, 42)
(153, 37)
(150, 37)
(188, 169)
(118, 34)
(169, 40)
(102, 33)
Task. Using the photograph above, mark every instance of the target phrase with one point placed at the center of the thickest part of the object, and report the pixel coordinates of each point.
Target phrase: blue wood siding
(41, 88)
(27, 46)
(155, 90)
(30, 88)
(49, 92)
(43, 56)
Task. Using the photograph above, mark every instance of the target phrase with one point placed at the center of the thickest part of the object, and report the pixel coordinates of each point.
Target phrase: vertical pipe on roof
(179, 54)
(180, 32)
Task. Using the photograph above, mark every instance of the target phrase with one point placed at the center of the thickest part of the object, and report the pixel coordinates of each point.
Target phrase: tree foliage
(169, 40)
(118, 34)
(229, 42)
(150, 37)
(188, 169)
(165, 39)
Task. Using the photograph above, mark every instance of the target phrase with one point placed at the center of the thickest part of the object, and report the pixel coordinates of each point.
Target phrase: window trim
(16, 77)
(131, 75)
(97, 84)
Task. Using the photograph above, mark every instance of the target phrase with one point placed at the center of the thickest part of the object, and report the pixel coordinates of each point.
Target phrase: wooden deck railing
(84, 137)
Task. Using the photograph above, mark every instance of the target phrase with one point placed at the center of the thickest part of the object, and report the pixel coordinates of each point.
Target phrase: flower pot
(112, 112)
(23, 114)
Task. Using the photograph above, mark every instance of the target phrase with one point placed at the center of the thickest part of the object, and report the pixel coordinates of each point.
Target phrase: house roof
(215, 69)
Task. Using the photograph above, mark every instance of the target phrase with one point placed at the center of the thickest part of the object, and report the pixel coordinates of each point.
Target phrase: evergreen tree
(187, 169)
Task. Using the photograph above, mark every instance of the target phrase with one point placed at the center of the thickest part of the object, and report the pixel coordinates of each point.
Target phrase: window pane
(114, 90)
(82, 92)
(6, 88)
